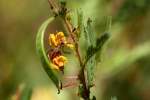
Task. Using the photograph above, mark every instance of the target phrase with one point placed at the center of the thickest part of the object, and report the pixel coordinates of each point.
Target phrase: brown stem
(82, 77)
(70, 28)
(54, 7)
(86, 93)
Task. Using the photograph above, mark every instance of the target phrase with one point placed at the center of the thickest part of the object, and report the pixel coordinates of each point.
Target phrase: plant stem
(70, 28)
(82, 76)
(56, 8)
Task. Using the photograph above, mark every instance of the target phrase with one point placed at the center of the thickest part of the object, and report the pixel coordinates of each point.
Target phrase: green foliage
(77, 21)
(80, 22)
(90, 66)
(90, 34)
(41, 51)
(94, 45)
(99, 43)
(91, 57)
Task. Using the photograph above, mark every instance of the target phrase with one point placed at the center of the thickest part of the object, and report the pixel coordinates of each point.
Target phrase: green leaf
(90, 42)
(41, 51)
(91, 57)
(100, 41)
(76, 18)
(90, 34)
(91, 64)
(93, 47)
(80, 22)
(99, 44)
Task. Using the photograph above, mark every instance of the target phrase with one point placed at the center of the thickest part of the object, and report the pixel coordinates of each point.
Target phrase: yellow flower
(52, 40)
(59, 62)
(61, 38)
(57, 39)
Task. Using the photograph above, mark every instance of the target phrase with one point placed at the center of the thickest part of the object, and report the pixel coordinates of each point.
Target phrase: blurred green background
(122, 74)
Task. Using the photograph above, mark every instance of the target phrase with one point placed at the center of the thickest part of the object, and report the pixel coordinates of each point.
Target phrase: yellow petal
(61, 38)
(71, 46)
(59, 61)
(52, 40)
(61, 34)
(54, 66)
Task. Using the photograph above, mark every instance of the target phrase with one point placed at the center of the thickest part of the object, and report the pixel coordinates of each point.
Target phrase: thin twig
(72, 32)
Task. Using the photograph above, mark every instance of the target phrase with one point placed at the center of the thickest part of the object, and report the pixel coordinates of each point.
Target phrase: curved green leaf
(41, 51)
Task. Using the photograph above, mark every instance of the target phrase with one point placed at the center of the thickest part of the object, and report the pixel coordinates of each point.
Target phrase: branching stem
(56, 9)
